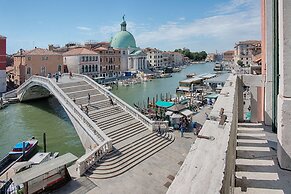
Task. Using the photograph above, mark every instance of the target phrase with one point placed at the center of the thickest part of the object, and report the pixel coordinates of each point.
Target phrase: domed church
(132, 57)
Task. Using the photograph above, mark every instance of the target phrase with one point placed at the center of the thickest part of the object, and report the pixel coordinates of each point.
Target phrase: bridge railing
(104, 143)
(146, 121)
(69, 103)
(89, 159)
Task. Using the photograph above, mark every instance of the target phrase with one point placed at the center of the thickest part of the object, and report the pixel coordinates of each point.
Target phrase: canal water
(138, 93)
(21, 121)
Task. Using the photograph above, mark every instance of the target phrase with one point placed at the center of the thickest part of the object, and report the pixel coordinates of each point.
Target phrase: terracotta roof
(229, 52)
(40, 51)
(79, 51)
(249, 42)
(100, 49)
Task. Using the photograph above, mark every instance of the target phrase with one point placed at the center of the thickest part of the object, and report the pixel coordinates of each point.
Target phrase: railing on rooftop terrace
(210, 164)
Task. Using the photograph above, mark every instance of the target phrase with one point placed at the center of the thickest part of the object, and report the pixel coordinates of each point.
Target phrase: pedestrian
(74, 100)
(71, 75)
(87, 110)
(111, 101)
(159, 130)
(60, 74)
(81, 107)
(182, 131)
(89, 97)
(57, 78)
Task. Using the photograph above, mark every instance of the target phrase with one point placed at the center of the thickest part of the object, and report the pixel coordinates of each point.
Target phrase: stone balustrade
(146, 121)
(87, 160)
(210, 164)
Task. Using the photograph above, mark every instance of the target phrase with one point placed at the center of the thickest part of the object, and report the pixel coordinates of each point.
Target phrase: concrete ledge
(209, 166)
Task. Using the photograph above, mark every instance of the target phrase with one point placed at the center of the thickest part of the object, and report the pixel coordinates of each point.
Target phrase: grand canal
(20, 121)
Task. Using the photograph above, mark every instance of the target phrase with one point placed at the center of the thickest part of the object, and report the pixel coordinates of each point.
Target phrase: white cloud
(219, 31)
(229, 23)
(233, 6)
(83, 28)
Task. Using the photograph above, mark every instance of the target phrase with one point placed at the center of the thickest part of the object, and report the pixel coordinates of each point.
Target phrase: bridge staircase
(133, 141)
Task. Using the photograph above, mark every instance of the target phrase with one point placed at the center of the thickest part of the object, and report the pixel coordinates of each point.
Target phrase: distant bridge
(116, 137)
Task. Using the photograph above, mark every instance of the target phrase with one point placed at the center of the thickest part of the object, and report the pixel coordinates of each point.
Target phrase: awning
(177, 108)
(43, 168)
(212, 96)
(176, 116)
(187, 112)
(164, 104)
(168, 113)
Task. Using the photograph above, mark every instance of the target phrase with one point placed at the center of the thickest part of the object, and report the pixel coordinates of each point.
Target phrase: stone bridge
(116, 137)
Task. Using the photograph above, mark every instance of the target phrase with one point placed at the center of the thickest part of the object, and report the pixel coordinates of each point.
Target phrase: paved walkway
(257, 168)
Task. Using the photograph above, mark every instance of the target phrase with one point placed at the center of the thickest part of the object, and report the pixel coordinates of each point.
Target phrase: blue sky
(196, 24)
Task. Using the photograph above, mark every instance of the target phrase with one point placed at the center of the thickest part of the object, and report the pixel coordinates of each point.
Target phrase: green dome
(123, 39)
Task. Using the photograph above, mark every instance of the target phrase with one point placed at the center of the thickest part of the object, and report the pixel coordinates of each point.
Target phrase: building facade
(155, 58)
(82, 61)
(2, 64)
(173, 59)
(36, 62)
(246, 50)
(228, 56)
(110, 61)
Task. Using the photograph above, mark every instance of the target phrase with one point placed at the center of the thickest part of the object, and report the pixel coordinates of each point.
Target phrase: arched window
(82, 69)
(86, 68)
(89, 68)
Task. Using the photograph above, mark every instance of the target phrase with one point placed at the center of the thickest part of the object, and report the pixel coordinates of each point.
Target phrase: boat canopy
(19, 145)
(164, 104)
(212, 96)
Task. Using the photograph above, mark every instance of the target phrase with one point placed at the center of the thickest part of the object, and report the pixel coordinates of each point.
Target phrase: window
(59, 68)
(83, 59)
(123, 52)
(90, 58)
(43, 71)
(100, 60)
(28, 71)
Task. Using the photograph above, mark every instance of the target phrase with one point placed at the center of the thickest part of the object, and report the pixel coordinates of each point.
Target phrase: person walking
(111, 101)
(71, 75)
(87, 110)
(57, 77)
(89, 97)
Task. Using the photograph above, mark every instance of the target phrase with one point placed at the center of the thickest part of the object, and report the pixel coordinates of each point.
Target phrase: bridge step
(77, 88)
(82, 93)
(129, 147)
(130, 161)
(72, 84)
(108, 163)
(133, 142)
